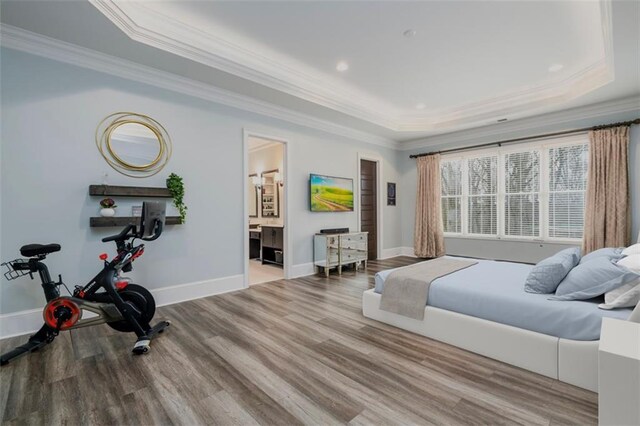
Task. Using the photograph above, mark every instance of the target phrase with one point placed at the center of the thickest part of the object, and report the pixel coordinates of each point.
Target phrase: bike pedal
(141, 347)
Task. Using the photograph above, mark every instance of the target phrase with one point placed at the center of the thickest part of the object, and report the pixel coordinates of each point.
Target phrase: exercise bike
(114, 300)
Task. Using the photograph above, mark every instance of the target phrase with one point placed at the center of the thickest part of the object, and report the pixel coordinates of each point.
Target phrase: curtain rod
(527, 138)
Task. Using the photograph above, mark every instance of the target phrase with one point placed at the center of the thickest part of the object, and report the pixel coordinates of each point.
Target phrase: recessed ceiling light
(421, 106)
(342, 66)
(555, 67)
(409, 33)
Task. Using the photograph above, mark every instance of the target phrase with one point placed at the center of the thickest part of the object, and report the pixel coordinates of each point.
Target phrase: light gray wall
(510, 250)
(48, 159)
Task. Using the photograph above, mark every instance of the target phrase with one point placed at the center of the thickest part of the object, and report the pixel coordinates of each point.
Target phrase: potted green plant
(108, 207)
(176, 188)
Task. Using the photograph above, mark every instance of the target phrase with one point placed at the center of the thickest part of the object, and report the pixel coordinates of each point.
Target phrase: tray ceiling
(412, 66)
(463, 65)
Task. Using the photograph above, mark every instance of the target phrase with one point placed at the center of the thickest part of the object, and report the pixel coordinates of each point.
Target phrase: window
(533, 191)
(567, 185)
(451, 195)
(522, 194)
(482, 198)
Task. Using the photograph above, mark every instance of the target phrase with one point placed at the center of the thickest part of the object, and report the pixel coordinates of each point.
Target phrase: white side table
(619, 373)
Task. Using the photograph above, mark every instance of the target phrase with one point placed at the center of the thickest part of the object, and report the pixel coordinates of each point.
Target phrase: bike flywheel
(143, 303)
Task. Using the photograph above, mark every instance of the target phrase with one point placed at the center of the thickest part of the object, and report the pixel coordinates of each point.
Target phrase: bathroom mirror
(270, 193)
(133, 144)
(252, 193)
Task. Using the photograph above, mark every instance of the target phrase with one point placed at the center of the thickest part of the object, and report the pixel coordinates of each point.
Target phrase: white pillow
(626, 296)
(632, 250)
(631, 262)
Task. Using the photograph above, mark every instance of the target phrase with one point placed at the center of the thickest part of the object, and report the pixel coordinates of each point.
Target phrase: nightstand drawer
(352, 245)
(348, 257)
(353, 238)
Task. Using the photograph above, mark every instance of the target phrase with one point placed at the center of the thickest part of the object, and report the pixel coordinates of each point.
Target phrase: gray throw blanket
(406, 289)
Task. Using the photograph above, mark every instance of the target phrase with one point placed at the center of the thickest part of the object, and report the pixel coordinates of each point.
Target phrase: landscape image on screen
(331, 194)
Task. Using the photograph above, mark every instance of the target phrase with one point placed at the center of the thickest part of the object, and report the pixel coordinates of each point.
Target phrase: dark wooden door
(368, 205)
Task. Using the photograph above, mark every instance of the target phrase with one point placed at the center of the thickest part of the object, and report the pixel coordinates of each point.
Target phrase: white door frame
(285, 201)
(376, 158)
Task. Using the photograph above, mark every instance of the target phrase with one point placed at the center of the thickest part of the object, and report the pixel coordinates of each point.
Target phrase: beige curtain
(607, 219)
(428, 239)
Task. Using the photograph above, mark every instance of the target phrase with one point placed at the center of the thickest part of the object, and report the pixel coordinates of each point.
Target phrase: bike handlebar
(124, 235)
(156, 232)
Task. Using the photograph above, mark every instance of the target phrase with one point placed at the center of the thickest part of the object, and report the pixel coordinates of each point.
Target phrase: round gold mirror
(134, 144)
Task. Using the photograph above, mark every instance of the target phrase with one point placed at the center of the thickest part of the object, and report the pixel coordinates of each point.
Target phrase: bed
(485, 309)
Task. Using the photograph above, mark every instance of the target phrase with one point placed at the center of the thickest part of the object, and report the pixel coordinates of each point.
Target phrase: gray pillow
(592, 279)
(548, 273)
(609, 252)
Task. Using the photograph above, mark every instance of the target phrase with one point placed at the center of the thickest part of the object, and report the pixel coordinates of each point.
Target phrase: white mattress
(494, 291)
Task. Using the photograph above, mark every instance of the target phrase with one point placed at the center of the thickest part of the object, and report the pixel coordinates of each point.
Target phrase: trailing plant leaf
(176, 188)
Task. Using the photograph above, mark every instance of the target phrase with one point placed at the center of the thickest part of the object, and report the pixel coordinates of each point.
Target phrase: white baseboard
(397, 251)
(23, 322)
(391, 252)
(17, 323)
(302, 270)
(196, 290)
(407, 251)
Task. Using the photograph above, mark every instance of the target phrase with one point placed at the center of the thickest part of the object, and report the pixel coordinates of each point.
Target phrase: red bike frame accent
(49, 313)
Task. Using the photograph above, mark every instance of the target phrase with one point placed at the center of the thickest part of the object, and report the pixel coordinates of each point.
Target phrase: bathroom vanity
(272, 238)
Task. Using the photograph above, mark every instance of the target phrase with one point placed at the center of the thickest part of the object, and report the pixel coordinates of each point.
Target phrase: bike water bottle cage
(126, 255)
(137, 252)
(123, 261)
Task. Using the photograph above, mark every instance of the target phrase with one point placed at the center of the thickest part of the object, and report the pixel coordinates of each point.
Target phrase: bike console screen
(153, 218)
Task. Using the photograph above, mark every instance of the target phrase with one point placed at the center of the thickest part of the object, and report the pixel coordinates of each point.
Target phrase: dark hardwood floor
(288, 352)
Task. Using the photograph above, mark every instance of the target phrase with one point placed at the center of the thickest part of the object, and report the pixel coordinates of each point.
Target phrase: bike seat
(31, 250)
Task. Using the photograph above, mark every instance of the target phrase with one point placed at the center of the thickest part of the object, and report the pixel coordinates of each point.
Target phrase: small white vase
(109, 212)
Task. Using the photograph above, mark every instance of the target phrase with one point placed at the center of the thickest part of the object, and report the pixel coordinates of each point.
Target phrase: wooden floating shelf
(128, 191)
(101, 222)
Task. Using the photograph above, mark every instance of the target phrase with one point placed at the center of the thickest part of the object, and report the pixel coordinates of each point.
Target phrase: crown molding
(567, 117)
(144, 24)
(227, 52)
(37, 44)
(519, 104)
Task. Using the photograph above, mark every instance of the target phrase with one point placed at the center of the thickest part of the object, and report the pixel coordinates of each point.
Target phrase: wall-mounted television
(330, 194)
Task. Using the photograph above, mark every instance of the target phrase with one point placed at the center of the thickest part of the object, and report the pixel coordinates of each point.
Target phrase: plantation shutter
(567, 185)
(522, 194)
(451, 195)
(482, 199)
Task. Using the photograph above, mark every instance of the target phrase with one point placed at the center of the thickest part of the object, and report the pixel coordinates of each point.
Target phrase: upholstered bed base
(570, 361)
